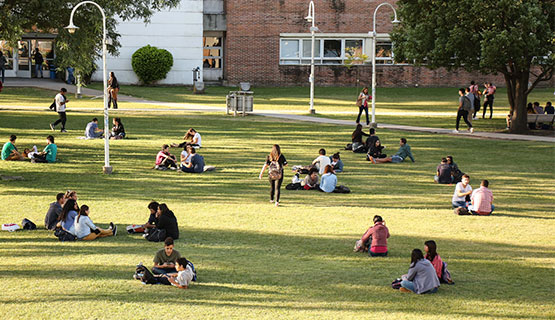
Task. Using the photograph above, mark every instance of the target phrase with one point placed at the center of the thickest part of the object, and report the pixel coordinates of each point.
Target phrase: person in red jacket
(374, 239)
(442, 273)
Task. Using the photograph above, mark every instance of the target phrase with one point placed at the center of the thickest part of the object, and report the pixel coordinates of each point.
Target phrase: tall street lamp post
(107, 169)
(313, 29)
(373, 34)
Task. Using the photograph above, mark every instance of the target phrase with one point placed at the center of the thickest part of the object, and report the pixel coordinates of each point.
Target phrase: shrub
(151, 64)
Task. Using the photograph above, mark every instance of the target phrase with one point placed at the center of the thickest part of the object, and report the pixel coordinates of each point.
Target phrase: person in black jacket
(113, 89)
(167, 221)
(51, 218)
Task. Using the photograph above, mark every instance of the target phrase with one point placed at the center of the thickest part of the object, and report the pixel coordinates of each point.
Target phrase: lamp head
(71, 28)
(396, 21)
(309, 18)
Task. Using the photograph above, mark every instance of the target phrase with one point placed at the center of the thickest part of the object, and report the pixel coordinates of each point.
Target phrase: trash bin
(52, 69)
(239, 101)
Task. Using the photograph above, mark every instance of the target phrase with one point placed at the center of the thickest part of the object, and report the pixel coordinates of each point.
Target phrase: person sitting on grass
(118, 131)
(321, 161)
(444, 173)
(182, 279)
(400, 156)
(92, 131)
(461, 196)
(371, 140)
(336, 163)
(422, 277)
(192, 137)
(375, 151)
(184, 157)
(164, 260)
(356, 138)
(165, 160)
(482, 200)
(66, 220)
(194, 162)
(86, 230)
(310, 182)
(153, 218)
(374, 239)
(440, 267)
(167, 221)
(328, 182)
(48, 155)
(9, 150)
(53, 212)
(457, 173)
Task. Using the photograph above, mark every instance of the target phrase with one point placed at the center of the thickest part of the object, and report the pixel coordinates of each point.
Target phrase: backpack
(144, 275)
(396, 284)
(156, 235)
(275, 171)
(53, 106)
(466, 103)
(64, 235)
(189, 263)
(28, 225)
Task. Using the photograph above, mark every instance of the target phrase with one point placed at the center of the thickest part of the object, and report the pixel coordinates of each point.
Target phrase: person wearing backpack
(275, 162)
(464, 109)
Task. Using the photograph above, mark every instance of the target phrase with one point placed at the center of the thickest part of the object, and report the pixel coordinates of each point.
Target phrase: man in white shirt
(322, 161)
(61, 101)
(462, 190)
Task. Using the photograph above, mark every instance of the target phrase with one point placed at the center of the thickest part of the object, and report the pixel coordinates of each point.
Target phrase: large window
(326, 51)
(384, 52)
(212, 51)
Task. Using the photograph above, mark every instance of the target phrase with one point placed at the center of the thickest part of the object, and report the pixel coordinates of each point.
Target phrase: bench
(541, 118)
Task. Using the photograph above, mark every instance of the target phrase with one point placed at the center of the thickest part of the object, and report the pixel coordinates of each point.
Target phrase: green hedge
(151, 64)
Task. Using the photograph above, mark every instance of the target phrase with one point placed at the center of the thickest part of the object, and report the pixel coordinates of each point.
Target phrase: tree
(514, 38)
(81, 49)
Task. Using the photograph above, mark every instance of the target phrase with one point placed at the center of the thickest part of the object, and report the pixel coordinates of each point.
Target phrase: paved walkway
(282, 114)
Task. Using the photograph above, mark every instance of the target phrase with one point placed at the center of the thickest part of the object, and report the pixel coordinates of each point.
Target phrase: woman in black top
(167, 221)
(113, 89)
(118, 132)
(357, 138)
(376, 151)
(275, 162)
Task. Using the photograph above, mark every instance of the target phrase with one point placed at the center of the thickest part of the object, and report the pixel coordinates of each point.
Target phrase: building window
(326, 51)
(384, 52)
(212, 52)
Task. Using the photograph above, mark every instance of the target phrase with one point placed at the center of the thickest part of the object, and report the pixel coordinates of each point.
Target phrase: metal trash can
(239, 101)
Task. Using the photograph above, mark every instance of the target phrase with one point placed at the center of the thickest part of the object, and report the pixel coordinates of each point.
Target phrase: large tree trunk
(517, 85)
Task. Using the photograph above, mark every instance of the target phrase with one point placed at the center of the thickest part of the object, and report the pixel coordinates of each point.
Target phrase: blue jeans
(410, 286)
(457, 204)
(396, 159)
(38, 68)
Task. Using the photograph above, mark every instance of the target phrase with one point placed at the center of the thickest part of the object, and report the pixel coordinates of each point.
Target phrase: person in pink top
(482, 200)
(443, 274)
(374, 239)
(490, 95)
(165, 160)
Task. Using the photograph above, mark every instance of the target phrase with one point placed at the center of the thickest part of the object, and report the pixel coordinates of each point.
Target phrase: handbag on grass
(156, 235)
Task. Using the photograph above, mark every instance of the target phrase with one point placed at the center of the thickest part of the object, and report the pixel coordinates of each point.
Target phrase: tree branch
(546, 75)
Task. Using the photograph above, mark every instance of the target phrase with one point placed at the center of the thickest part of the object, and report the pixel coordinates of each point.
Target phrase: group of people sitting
(374, 148)
(425, 272)
(65, 214)
(190, 161)
(468, 201)
(327, 167)
(48, 155)
(448, 172)
(92, 131)
(535, 108)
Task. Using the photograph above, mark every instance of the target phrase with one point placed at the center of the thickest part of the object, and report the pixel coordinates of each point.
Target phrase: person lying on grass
(164, 260)
(181, 279)
(374, 239)
(86, 230)
(310, 182)
(422, 277)
(400, 156)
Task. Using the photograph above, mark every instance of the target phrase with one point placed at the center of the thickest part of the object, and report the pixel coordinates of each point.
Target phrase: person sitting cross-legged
(444, 174)
(48, 155)
(86, 230)
(164, 260)
(194, 162)
(165, 160)
(400, 156)
(422, 277)
(9, 150)
(92, 131)
(462, 192)
(374, 239)
(482, 200)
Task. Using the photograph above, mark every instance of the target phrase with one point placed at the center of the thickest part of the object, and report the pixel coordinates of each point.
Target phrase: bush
(151, 64)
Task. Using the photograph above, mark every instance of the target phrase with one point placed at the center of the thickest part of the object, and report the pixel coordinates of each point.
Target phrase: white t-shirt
(199, 141)
(185, 277)
(185, 156)
(461, 189)
(60, 103)
(322, 162)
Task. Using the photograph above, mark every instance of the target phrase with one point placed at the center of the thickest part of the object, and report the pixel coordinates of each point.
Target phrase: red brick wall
(252, 45)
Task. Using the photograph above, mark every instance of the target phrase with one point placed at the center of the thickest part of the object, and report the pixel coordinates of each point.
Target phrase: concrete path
(282, 114)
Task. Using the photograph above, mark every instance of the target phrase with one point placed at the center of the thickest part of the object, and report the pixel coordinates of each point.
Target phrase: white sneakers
(455, 131)
(472, 130)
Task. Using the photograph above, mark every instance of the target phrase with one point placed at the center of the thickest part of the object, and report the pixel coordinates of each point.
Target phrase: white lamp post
(373, 34)
(313, 29)
(71, 28)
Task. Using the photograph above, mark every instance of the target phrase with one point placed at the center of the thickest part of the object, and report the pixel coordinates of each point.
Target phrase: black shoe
(112, 225)
(115, 230)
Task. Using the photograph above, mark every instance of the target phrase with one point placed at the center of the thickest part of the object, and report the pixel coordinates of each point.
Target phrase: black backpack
(64, 235)
(144, 275)
(156, 235)
(53, 106)
(28, 225)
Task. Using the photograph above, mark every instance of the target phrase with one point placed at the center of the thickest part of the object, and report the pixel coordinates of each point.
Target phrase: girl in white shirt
(85, 228)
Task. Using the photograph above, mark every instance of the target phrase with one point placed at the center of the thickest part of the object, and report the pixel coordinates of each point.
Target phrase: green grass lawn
(258, 261)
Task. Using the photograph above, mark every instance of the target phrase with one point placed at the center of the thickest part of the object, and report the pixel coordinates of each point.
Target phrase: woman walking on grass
(275, 161)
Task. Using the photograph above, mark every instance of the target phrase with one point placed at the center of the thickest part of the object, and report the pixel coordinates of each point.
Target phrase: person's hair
(336, 156)
(190, 133)
(328, 169)
(82, 211)
(112, 74)
(372, 131)
(472, 82)
(275, 153)
(68, 206)
(312, 170)
(432, 249)
(165, 146)
(485, 183)
(63, 90)
(168, 241)
(357, 131)
(404, 141)
(548, 103)
(415, 256)
(163, 208)
(466, 176)
(59, 196)
(377, 218)
(377, 142)
(365, 88)
(95, 119)
(461, 90)
(322, 151)
(449, 158)
(182, 262)
(69, 194)
(443, 160)
(467, 89)
(50, 138)
(13, 137)
(529, 105)
(537, 104)
(186, 146)
(118, 120)
(193, 150)
(153, 205)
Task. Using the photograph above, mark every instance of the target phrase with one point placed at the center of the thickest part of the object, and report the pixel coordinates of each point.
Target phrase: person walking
(475, 90)
(3, 62)
(464, 109)
(275, 161)
(61, 101)
(39, 60)
(113, 89)
(490, 92)
(362, 104)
